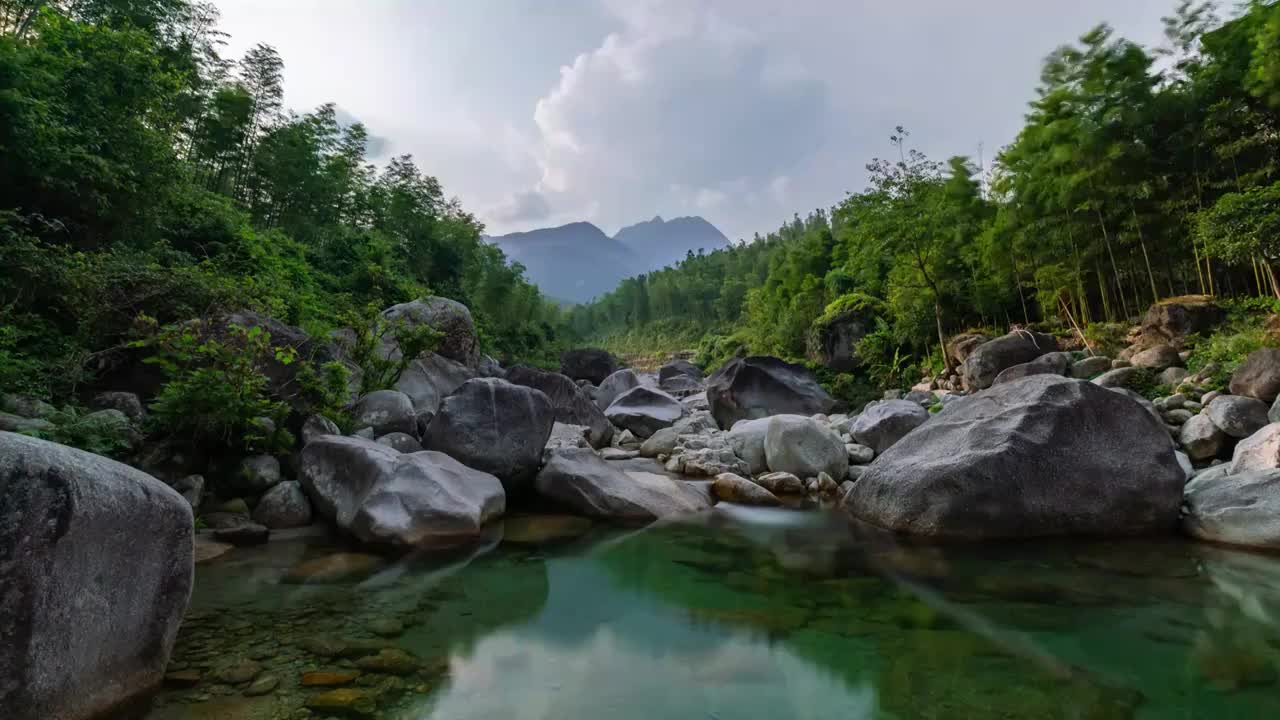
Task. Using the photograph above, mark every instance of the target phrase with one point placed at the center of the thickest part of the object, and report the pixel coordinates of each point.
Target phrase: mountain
(578, 261)
(667, 242)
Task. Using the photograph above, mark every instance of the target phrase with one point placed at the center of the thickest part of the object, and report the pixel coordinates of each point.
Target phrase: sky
(543, 112)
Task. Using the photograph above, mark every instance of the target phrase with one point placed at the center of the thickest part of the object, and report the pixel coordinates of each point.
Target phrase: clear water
(742, 614)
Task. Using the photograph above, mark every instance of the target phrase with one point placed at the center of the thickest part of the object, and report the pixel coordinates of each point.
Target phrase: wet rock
(317, 425)
(804, 447)
(989, 359)
(264, 685)
(335, 568)
(283, 506)
(390, 661)
(237, 671)
(736, 489)
(571, 404)
(400, 442)
(386, 627)
(591, 364)
(1238, 417)
(382, 496)
(1259, 376)
(347, 702)
(882, 425)
(615, 385)
(495, 427)
(95, 554)
(205, 550)
(757, 387)
(386, 411)
(543, 529)
(325, 678)
(644, 411)
(1020, 460)
(580, 480)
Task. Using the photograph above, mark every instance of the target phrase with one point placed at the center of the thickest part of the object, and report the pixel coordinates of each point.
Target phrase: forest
(148, 179)
(1140, 174)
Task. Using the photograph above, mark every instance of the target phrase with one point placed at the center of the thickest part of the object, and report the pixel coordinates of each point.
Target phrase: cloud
(680, 107)
(377, 147)
(522, 207)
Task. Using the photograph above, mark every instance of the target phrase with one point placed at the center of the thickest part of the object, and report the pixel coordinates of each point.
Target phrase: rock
(244, 534)
(1174, 402)
(315, 426)
(364, 434)
(826, 484)
(923, 398)
(736, 489)
(1177, 417)
(283, 506)
(626, 440)
(1259, 376)
(348, 701)
(335, 568)
(644, 411)
(1209, 397)
(682, 386)
(489, 367)
(991, 358)
(1172, 321)
(1123, 377)
(747, 440)
(856, 472)
(1173, 376)
(1157, 359)
(19, 424)
(459, 342)
(1259, 451)
(126, 402)
(544, 529)
(25, 406)
(571, 404)
(961, 346)
(1238, 416)
(110, 423)
(1236, 509)
(234, 506)
(258, 474)
(1201, 438)
(881, 426)
(389, 661)
(591, 364)
(264, 685)
(1090, 367)
(615, 385)
(696, 422)
(237, 671)
(831, 339)
(183, 679)
(400, 442)
(1184, 462)
(567, 436)
(206, 550)
(323, 678)
(1145, 403)
(1040, 457)
(191, 488)
(430, 379)
(382, 496)
(679, 368)
(95, 571)
(859, 454)
(615, 454)
(757, 387)
(386, 411)
(804, 447)
(580, 480)
(495, 427)
(1117, 364)
(662, 442)
(281, 373)
(1054, 363)
(781, 483)
(1273, 415)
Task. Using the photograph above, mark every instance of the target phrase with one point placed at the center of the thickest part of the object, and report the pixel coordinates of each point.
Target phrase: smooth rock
(1201, 438)
(1053, 363)
(496, 427)
(580, 480)
(245, 534)
(400, 442)
(317, 425)
(1238, 416)
(386, 411)
(125, 402)
(283, 506)
(991, 358)
(459, 341)
(756, 387)
(1090, 367)
(1259, 376)
(644, 411)
(662, 442)
(737, 489)
(804, 447)
(615, 385)
(747, 440)
(1259, 451)
(1236, 509)
(571, 404)
(591, 364)
(882, 425)
(191, 488)
(781, 483)
(859, 454)
(334, 568)
(1173, 376)
(1122, 377)
(1157, 358)
(429, 379)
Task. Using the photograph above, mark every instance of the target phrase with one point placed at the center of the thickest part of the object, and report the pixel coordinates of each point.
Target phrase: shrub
(371, 333)
(79, 428)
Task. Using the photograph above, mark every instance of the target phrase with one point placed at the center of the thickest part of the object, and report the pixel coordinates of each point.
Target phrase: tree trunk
(1115, 269)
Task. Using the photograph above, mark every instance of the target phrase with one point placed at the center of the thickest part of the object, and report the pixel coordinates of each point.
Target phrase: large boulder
(1157, 358)
(989, 359)
(385, 497)
(760, 386)
(961, 346)
(430, 378)
(1173, 320)
(95, 575)
(283, 506)
(282, 373)
(451, 318)
(1259, 376)
(496, 427)
(1122, 377)
(614, 385)
(1241, 509)
(644, 411)
(1238, 416)
(804, 447)
(1090, 367)
(747, 440)
(882, 425)
(731, 488)
(832, 338)
(571, 404)
(386, 411)
(1054, 363)
(1201, 438)
(586, 484)
(591, 364)
(680, 378)
(1259, 451)
(1040, 457)
(126, 402)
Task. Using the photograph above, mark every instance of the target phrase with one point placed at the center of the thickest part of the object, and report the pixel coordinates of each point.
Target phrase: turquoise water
(737, 614)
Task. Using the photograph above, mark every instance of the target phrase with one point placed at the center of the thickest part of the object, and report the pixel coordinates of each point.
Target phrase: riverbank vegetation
(1141, 173)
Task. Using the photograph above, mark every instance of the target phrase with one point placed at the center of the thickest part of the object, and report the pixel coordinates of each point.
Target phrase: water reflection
(737, 613)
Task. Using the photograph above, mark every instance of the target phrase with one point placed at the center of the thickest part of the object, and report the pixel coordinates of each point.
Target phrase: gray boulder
(882, 425)
(580, 480)
(489, 367)
(614, 385)
(95, 572)
(19, 424)
(859, 454)
(1157, 358)
(25, 406)
(258, 473)
(386, 411)
(1055, 363)
(756, 387)
(449, 317)
(283, 506)
(191, 488)
(385, 497)
(568, 436)
(126, 402)
(1090, 367)
(662, 442)
(400, 442)
(315, 426)
(495, 427)
(747, 440)
(961, 346)
(728, 487)
(1040, 457)
(591, 364)
(1122, 377)
(1238, 416)
(805, 447)
(644, 411)
(1259, 376)
(1201, 438)
(1173, 376)
(989, 359)
(1259, 451)
(571, 403)
(1235, 509)
(429, 379)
